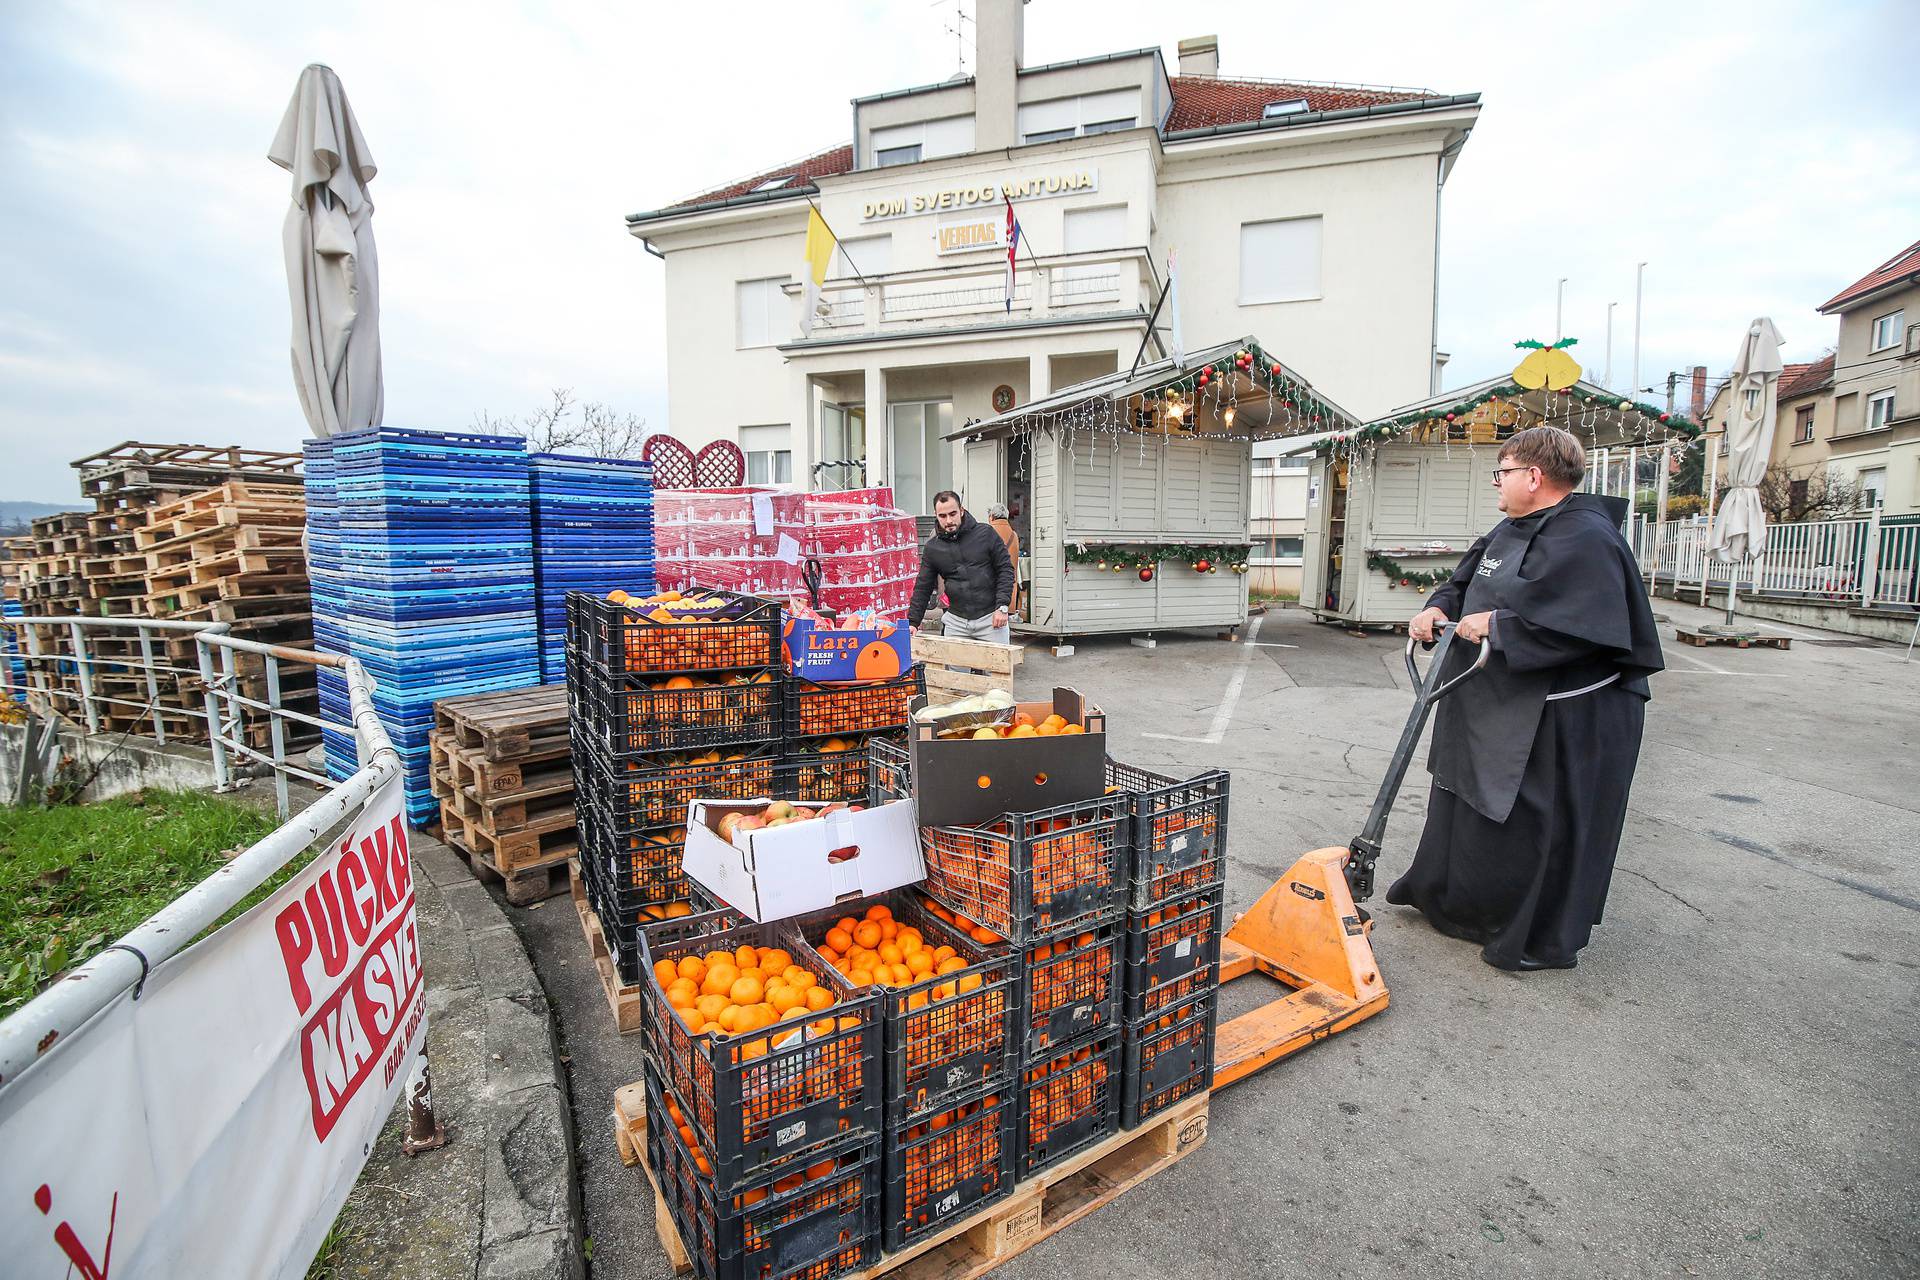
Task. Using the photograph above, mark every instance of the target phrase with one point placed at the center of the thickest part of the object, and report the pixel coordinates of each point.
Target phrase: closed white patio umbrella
(1739, 532)
(333, 275)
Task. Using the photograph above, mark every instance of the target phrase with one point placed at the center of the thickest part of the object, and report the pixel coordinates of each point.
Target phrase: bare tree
(597, 429)
(1788, 498)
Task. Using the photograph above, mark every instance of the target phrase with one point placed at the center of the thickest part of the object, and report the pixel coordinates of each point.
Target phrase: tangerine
(818, 998)
(867, 934)
(838, 939)
(747, 991)
(1073, 728)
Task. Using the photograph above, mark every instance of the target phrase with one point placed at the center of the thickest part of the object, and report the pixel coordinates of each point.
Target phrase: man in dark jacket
(1533, 757)
(973, 561)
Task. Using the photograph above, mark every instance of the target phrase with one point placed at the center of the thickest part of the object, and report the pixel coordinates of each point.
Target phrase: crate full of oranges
(946, 1165)
(819, 1215)
(769, 1052)
(670, 631)
(949, 1001)
(1067, 1103)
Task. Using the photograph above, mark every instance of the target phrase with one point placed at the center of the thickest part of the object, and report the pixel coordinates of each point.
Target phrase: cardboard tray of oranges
(1039, 755)
(704, 629)
(949, 1003)
(770, 1057)
(818, 1215)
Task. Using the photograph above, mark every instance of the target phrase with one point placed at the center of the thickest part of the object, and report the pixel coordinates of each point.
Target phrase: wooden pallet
(506, 726)
(1738, 639)
(1049, 1201)
(544, 841)
(623, 999)
(462, 767)
(524, 885)
(956, 668)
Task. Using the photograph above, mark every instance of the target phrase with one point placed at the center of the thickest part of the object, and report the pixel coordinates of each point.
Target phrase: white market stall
(1138, 486)
(1392, 507)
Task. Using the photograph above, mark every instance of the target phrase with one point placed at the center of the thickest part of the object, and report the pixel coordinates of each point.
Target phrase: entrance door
(922, 458)
(981, 488)
(841, 459)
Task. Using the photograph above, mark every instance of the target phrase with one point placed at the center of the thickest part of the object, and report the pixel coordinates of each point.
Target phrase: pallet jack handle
(1364, 850)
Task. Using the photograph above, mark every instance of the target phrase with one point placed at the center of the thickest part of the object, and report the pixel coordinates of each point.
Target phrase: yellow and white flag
(820, 247)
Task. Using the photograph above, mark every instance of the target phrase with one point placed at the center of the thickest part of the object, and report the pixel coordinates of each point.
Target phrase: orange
(839, 939)
(952, 964)
(1047, 731)
(970, 983)
(867, 934)
(1021, 719)
(889, 929)
(665, 972)
(1073, 728)
(797, 978)
(942, 954)
(820, 1170)
(891, 953)
(745, 958)
(678, 682)
(879, 911)
(747, 991)
(689, 1016)
(720, 979)
(861, 977)
(980, 933)
(818, 998)
(785, 999)
(986, 733)
(774, 960)
(693, 967)
(920, 964)
(683, 992)
(1055, 719)
(710, 1005)
(1024, 731)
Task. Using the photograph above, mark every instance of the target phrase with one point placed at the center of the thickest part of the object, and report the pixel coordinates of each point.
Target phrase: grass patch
(1274, 597)
(75, 877)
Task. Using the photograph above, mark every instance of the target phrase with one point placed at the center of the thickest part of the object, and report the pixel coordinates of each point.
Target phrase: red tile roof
(1904, 263)
(1200, 102)
(824, 165)
(1803, 379)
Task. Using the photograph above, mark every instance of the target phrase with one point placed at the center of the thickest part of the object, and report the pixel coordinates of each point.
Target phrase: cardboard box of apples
(777, 858)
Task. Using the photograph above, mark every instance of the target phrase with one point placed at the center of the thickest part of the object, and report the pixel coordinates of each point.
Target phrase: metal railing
(1862, 561)
(171, 682)
(1059, 283)
(70, 1002)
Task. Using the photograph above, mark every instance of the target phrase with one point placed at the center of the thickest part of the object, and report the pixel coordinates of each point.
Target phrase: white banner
(213, 1126)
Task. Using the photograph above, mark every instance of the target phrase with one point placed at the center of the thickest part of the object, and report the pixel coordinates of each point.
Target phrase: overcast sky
(1759, 156)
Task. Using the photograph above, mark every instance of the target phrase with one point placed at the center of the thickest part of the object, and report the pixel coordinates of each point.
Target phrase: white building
(1305, 213)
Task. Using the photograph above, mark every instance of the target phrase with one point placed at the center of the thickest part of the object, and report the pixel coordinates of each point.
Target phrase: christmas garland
(1398, 575)
(1265, 372)
(1118, 558)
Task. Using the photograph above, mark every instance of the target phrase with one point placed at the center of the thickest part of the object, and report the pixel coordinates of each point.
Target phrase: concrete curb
(501, 1200)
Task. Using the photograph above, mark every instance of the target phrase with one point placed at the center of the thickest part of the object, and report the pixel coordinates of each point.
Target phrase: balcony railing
(1062, 285)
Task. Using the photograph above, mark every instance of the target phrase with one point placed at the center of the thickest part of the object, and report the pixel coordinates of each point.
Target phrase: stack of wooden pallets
(500, 767)
(50, 585)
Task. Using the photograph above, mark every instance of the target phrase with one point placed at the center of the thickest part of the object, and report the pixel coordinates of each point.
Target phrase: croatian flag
(1013, 247)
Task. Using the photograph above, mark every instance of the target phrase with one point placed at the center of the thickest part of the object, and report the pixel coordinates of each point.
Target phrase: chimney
(1200, 56)
(999, 49)
(1699, 393)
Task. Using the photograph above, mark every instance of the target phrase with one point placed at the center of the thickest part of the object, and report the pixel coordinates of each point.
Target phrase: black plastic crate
(1068, 1103)
(1169, 1059)
(815, 710)
(637, 873)
(1024, 876)
(646, 795)
(947, 1165)
(940, 1042)
(1070, 987)
(763, 1098)
(1179, 833)
(820, 1219)
(1174, 939)
(628, 716)
(744, 632)
(1146, 1001)
(831, 769)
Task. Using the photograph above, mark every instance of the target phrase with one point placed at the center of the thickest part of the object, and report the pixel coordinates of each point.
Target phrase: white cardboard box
(787, 871)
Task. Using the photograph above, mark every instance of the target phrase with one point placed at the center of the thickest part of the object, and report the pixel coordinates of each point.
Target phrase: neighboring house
(1802, 434)
(1278, 520)
(1306, 214)
(1876, 385)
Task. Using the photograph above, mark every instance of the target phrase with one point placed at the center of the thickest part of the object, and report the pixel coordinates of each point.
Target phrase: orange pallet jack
(1308, 930)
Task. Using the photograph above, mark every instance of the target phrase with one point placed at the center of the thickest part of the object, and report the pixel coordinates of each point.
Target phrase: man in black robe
(1532, 758)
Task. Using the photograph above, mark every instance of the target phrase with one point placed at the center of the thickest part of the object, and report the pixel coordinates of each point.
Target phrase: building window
(899, 155)
(769, 453)
(922, 457)
(1873, 487)
(922, 140)
(1879, 410)
(765, 317)
(862, 256)
(1279, 261)
(1803, 424)
(1796, 499)
(1723, 444)
(1078, 117)
(1285, 107)
(1278, 550)
(774, 184)
(1886, 331)
(1751, 397)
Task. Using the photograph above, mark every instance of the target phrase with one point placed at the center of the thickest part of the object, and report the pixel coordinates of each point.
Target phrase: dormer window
(774, 184)
(1284, 107)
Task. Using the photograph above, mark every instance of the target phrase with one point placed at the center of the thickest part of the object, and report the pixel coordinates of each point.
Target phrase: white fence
(1863, 561)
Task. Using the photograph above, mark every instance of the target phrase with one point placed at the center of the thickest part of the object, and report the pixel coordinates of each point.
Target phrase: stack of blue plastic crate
(592, 532)
(11, 647)
(420, 550)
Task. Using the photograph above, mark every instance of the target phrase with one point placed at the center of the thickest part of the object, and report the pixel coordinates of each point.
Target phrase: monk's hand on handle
(1475, 626)
(1422, 625)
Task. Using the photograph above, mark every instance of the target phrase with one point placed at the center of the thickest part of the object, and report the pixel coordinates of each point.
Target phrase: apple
(750, 823)
(779, 809)
(778, 822)
(728, 822)
(855, 808)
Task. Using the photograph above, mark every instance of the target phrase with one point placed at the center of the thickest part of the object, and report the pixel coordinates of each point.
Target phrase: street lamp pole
(1559, 307)
(1639, 279)
(1607, 381)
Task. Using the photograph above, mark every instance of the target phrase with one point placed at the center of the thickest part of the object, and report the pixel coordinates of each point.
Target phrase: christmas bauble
(1146, 573)
(1201, 566)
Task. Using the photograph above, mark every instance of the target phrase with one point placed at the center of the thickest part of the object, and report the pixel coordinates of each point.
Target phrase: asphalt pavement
(1726, 1086)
